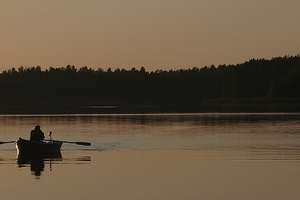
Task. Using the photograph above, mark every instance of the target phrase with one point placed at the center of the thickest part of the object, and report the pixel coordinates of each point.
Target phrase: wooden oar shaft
(7, 142)
(70, 142)
(79, 143)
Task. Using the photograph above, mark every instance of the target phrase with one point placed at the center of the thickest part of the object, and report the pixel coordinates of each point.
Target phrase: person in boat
(37, 134)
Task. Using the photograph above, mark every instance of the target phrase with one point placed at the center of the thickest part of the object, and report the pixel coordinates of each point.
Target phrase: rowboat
(38, 148)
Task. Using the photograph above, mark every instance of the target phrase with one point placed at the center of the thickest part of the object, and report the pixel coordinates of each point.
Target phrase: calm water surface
(157, 156)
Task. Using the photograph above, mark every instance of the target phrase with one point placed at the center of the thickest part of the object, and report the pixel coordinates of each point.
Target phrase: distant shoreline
(210, 107)
(253, 86)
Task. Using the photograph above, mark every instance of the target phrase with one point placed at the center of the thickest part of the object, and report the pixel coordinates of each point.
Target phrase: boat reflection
(37, 163)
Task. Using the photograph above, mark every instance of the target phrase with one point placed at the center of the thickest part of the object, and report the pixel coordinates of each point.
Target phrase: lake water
(157, 156)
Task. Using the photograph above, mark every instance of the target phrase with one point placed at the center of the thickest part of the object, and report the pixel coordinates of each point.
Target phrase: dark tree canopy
(256, 82)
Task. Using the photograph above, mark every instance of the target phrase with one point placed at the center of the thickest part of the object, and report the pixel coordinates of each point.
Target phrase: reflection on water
(233, 136)
(166, 156)
(37, 163)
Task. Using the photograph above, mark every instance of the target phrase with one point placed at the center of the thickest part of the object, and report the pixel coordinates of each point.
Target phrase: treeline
(244, 87)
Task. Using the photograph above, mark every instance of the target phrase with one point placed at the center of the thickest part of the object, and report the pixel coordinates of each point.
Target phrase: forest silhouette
(258, 85)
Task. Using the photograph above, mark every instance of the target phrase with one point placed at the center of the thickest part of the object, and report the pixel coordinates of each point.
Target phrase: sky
(155, 34)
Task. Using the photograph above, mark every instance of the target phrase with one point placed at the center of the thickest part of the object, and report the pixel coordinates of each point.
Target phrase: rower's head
(37, 127)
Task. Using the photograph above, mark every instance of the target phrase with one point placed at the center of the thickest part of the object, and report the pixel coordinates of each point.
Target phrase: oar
(78, 143)
(1, 142)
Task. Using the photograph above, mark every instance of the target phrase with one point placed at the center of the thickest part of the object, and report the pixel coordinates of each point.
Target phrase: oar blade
(1, 142)
(83, 143)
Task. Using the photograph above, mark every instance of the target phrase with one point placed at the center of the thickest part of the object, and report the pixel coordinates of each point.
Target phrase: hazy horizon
(153, 34)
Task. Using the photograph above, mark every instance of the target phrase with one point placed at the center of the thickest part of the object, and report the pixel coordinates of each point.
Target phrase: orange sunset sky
(156, 34)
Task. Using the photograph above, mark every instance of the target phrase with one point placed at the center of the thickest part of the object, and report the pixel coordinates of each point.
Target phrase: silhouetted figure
(36, 134)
